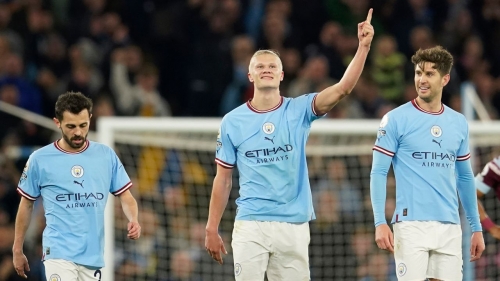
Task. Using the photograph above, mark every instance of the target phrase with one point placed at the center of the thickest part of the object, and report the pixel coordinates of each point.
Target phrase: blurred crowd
(190, 58)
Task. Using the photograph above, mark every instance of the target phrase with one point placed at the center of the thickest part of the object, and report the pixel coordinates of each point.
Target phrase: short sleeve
(304, 105)
(225, 154)
(120, 181)
(387, 140)
(29, 183)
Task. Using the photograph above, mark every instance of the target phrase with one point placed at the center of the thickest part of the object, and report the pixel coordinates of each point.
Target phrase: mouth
(266, 78)
(77, 141)
(423, 89)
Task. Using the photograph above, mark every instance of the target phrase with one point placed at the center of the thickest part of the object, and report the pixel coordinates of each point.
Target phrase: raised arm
(218, 201)
(130, 209)
(330, 96)
(23, 220)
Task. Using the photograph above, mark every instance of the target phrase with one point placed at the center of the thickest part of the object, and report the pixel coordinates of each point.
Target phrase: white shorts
(278, 248)
(428, 249)
(63, 270)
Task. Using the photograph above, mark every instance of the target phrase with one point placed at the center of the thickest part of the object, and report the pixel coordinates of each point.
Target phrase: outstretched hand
(366, 31)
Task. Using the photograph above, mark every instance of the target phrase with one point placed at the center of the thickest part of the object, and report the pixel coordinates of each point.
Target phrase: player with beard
(73, 176)
(428, 146)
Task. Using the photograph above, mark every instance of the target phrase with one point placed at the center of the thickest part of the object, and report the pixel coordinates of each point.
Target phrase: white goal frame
(107, 126)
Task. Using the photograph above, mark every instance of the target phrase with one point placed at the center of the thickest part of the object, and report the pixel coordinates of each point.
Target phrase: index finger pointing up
(369, 17)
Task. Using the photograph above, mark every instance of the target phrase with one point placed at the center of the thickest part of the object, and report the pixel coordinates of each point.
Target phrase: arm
(23, 220)
(466, 192)
(378, 181)
(218, 201)
(130, 209)
(330, 96)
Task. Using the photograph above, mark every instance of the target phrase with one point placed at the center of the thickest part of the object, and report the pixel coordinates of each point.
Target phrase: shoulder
(236, 114)
(43, 151)
(99, 148)
(455, 114)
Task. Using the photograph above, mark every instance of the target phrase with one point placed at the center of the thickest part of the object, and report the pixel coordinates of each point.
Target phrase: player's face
(74, 128)
(266, 72)
(428, 82)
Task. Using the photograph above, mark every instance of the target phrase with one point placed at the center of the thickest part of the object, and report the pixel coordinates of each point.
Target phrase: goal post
(171, 162)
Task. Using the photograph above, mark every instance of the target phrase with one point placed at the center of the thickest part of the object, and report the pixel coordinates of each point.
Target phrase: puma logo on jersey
(439, 143)
(79, 183)
(271, 140)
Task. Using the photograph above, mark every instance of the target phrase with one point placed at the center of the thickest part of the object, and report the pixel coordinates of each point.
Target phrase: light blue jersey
(427, 148)
(74, 187)
(268, 147)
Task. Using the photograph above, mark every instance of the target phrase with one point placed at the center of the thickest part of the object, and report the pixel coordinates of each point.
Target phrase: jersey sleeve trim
(383, 150)
(224, 164)
(313, 103)
(463, 158)
(25, 195)
(123, 189)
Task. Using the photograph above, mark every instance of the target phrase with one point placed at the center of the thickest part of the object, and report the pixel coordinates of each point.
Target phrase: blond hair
(267, 52)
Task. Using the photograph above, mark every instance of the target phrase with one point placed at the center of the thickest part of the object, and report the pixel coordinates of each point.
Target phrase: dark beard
(71, 144)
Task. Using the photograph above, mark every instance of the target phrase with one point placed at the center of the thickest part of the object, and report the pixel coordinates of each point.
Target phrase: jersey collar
(85, 146)
(249, 104)
(415, 104)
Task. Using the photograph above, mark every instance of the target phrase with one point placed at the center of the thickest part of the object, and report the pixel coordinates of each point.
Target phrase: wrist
(487, 223)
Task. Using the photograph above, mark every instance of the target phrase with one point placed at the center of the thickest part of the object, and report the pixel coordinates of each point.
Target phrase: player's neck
(434, 105)
(65, 146)
(265, 100)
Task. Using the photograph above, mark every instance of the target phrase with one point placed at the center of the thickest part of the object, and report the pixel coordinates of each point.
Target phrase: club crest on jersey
(436, 131)
(237, 269)
(77, 171)
(401, 269)
(268, 128)
(54, 277)
(384, 121)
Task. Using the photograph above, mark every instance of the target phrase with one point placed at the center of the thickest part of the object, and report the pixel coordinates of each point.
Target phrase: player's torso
(270, 139)
(430, 141)
(74, 183)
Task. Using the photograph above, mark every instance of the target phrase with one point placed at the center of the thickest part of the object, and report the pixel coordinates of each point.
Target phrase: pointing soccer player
(73, 176)
(428, 145)
(487, 180)
(265, 139)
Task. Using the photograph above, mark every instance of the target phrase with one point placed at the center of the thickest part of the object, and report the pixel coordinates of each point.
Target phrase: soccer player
(265, 138)
(73, 176)
(428, 144)
(487, 180)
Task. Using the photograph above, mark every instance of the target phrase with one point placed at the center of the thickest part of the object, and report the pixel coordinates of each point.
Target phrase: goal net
(171, 163)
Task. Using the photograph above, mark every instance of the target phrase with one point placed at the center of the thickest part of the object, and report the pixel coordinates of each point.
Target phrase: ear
(56, 121)
(250, 77)
(445, 80)
(90, 117)
(282, 75)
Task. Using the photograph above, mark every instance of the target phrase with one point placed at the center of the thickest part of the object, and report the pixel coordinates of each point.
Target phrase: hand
(476, 246)
(20, 264)
(134, 230)
(215, 245)
(495, 231)
(384, 238)
(365, 31)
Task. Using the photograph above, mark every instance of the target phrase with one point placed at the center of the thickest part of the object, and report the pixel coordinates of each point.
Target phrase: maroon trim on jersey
(25, 195)
(463, 158)
(313, 105)
(415, 104)
(249, 104)
(383, 150)
(123, 189)
(491, 176)
(84, 147)
(223, 164)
